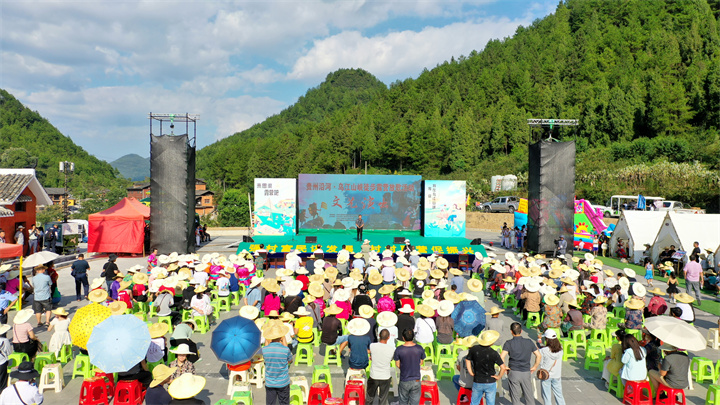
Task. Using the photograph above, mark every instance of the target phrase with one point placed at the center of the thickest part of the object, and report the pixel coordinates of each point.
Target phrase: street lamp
(66, 167)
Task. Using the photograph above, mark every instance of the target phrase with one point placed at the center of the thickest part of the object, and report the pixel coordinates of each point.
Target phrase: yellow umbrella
(84, 321)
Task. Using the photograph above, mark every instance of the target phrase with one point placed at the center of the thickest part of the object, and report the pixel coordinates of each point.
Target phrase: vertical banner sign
(334, 201)
(274, 207)
(445, 208)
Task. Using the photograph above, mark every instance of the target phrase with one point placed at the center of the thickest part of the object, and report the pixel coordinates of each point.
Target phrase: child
(61, 337)
(595, 243)
(672, 286)
(649, 273)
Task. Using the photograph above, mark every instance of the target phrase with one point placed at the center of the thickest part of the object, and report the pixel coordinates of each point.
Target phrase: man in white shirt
(201, 277)
(292, 261)
(381, 355)
(223, 284)
(358, 263)
(388, 273)
(23, 392)
(344, 252)
(424, 329)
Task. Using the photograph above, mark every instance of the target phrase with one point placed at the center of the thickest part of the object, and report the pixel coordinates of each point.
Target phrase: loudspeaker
(476, 241)
(398, 241)
(247, 238)
(311, 239)
(551, 195)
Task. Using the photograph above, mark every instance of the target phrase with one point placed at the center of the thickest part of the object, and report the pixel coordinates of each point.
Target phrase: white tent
(637, 228)
(682, 230)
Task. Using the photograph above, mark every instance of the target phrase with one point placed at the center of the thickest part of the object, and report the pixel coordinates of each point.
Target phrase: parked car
(508, 203)
(677, 206)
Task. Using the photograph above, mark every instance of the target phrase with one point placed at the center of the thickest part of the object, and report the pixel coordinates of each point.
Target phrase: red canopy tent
(119, 229)
(8, 250)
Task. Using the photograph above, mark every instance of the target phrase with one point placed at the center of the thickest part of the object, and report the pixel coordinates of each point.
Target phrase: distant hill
(133, 167)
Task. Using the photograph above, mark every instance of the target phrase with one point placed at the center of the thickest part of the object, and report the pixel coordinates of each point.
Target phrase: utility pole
(66, 167)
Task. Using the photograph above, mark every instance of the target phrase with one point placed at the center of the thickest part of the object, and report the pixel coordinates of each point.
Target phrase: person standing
(20, 238)
(694, 278)
(381, 354)
(480, 363)
(277, 363)
(32, 239)
(561, 247)
(552, 362)
(519, 350)
(79, 272)
(52, 235)
(109, 270)
(696, 251)
(359, 224)
(42, 285)
(409, 358)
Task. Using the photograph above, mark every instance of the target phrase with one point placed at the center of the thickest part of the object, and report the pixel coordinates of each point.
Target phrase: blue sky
(96, 68)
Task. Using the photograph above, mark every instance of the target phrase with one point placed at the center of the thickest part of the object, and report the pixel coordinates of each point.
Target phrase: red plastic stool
(333, 401)
(129, 392)
(109, 382)
(465, 397)
(319, 392)
(634, 393)
(94, 392)
(354, 387)
(431, 388)
(672, 394)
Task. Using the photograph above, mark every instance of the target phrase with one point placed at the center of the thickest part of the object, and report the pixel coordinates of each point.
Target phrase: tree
(17, 158)
(233, 208)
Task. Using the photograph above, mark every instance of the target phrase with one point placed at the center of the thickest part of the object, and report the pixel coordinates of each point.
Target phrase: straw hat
(271, 285)
(657, 291)
(555, 272)
(333, 310)
(402, 275)
(375, 278)
(445, 308)
(273, 314)
(452, 296)
(567, 281)
(316, 289)
(23, 315)
(293, 287)
(202, 288)
(437, 274)
(5, 267)
(456, 272)
(358, 327)
(140, 278)
(432, 303)
(589, 257)
(158, 330)
(406, 309)
(420, 275)
(331, 272)
(182, 348)
(97, 296)
(624, 283)
(634, 304)
(387, 319)
(97, 282)
(372, 293)
(629, 272)
(342, 259)
(386, 289)
(117, 307)
(600, 300)
(575, 304)
(423, 264)
(425, 310)
(563, 289)
(59, 311)
(532, 286)
(495, 310)
(366, 311)
(427, 294)
(684, 298)
(286, 317)
(488, 337)
(342, 295)
(274, 329)
(552, 299)
(358, 255)
(639, 290)
(186, 386)
(475, 285)
(356, 275)
(249, 312)
(161, 373)
(317, 278)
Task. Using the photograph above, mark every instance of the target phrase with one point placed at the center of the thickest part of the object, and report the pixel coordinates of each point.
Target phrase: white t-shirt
(223, 286)
(424, 328)
(201, 277)
(388, 274)
(381, 355)
(203, 304)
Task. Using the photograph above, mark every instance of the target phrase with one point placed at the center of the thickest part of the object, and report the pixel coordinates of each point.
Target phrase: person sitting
(181, 364)
(331, 327)
(181, 335)
(359, 343)
(633, 359)
(304, 326)
(185, 388)
(598, 313)
(673, 372)
(25, 390)
(24, 339)
(156, 393)
(137, 372)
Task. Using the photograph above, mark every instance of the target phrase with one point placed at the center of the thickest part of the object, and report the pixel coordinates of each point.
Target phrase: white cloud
(399, 53)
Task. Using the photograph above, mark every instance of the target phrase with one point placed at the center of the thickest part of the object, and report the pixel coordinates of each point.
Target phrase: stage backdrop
(445, 208)
(274, 207)
(333, 201)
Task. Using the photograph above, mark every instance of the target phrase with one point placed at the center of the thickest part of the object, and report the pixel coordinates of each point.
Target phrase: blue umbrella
(235, 340)
(469, 317)
(118, 343)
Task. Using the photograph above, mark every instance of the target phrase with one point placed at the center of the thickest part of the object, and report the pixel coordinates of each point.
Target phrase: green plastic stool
(579, 337)
(509, 301)
(243, 397)
(457, 349)
(16, 358)
(186, 315)
(594, 357)
(635, 332)
(296, 395)
(445, 368)
(166, 320)
(242, 287)
(66, 354)
(587, 318)
(331, 358)
(316, 337)
(614, 322)
(344, 325)
(141, 316)
(41, 359)
(201, 321)
(533, 320)
(225, 402)
(616, 386)
(216, 309)
(304, 354)
(225, 303)
(442, 350)
(619, 312)
(214, 294)
(713, 395)
(82, 367)
(702, 369)
(235, 297)
(142, 307)
(322, 374)
(152, 311)
(170, 355)
(611, 334)
(569, 348)
(429, 351)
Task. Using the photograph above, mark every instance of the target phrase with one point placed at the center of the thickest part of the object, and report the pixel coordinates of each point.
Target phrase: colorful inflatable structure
(521, 215)
(588, 223)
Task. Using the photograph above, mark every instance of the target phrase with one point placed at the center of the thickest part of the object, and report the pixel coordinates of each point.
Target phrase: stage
(331, 241)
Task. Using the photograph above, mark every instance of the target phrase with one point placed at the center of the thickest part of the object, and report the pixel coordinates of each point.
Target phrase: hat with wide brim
(495, 310)
(358, 327)
(333, 310)
(634, 304)
(575, 304)
(97, 296)
(97, 282)
(386, 289)
(358, 255)
(402, 274)
(425, 310)
(488, 337)
(437, 274)
(23, 315)
(271, 285)
(406, 309)
(442, 263)
(624, 283)
(456, 272)
(161, 373)
(286, 317)
(117, 307)
(639, 289)
(140, 278)
(316, 289)
(366, 311)
(600, 299)
(342, 295)
(186, 386)
(387, 319)
(555, 272)
(249, 312)
(25, 372)
(182, 348)
(274, 329)
(685, 298)
(423, 264)
(532, 286)
(475, 285)
(158, 330)
(657, 291)
(552, 299)
(445, 308)
(60, 312)
(293, 287)
(630, 273)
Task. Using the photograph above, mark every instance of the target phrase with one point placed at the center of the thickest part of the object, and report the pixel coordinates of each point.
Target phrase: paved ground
(579, 386)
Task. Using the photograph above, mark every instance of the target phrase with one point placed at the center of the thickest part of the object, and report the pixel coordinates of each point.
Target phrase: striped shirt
(277, 361)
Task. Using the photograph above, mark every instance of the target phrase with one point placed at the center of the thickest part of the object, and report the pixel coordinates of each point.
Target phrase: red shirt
(124, 296)
(408, 301)
(139, 289)
(305, 281)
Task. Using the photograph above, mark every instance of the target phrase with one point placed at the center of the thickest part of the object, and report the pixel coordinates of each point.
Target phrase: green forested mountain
(29, 140)
(642, 77)
(132, 166)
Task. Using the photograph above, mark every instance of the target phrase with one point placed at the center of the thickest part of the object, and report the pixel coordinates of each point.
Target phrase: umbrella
(85, 319)
(235, 340)
(8, 250)
(676, 332)
(39, 258)
(469, 317)
(118, 343)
